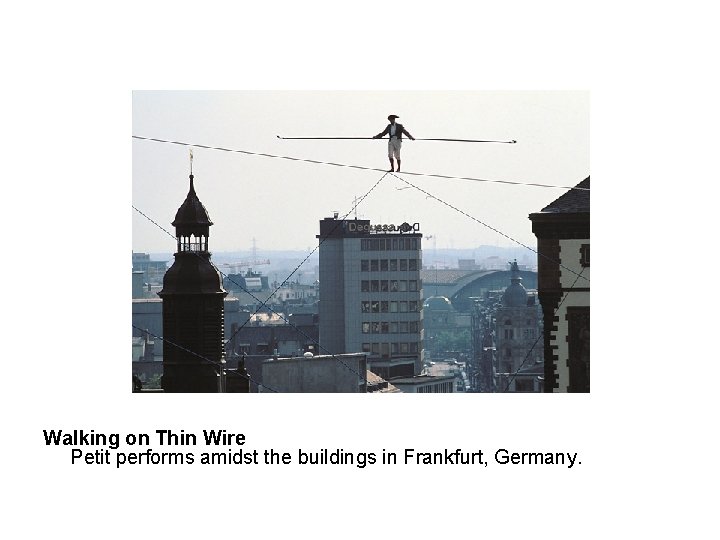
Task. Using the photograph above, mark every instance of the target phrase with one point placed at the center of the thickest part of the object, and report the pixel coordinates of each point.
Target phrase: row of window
(388, 244)
(386, 349)
(442, 388)
(382, 327)
(388, 265)
(384, 306)
(508, 322)
(528, 333)
(390, 285)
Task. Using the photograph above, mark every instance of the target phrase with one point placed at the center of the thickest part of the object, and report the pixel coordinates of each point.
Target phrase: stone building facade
(519, 351)
(563, 232)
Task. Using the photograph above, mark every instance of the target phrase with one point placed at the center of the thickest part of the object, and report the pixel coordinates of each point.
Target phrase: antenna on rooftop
(191, 160)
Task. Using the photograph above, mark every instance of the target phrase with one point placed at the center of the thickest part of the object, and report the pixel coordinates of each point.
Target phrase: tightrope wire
(486, 225)
(318, 162)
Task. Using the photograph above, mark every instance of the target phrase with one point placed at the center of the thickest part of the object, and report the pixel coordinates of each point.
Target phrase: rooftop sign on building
(332, 227)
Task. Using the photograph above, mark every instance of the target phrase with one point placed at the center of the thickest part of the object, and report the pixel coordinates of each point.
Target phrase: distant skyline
(279, 202)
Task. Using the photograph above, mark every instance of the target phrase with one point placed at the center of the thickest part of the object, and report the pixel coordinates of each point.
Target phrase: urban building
(297, 335)
(481, 368)
(153, 270)
(308, 373)
(519, 349)
(447, 332)
(563, 232)
(462, 287)
(425, 384)
(371, 293)
(250, 281)
(193, 307)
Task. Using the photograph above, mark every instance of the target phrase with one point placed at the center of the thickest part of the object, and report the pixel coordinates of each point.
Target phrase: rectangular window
(374, 285)
(412, 306)
(365, 307)
(364, 265)
(394, 285)
(374, 265)
(376, 348)
(413, 327)
(366, 328)
(508, 333)
(413, 347)
(373, 245)
(385, 350)
(585, 255)
(384, 328)
(403, 347)
(412, 285)
(403, 265)
(393, 265)
(412, 265)
(363, 245)
(383, 265)
(393, 328)
(375, 306)
(403, 285)
(365, 347)
(401, 244)
(384, 286)
(364, 286)
(394, 348)
(403, 327)
(394, 244)
(415, 244)
(403, 307)
(375, 327)
(393, 307)
(384, 306)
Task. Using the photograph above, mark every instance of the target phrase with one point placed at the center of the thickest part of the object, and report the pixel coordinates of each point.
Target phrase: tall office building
(371, 294)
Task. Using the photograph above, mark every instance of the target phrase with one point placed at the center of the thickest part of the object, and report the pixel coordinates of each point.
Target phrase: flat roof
(421, 379)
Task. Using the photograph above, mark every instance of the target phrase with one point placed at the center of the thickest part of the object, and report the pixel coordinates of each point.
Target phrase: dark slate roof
(574, 201)
(515, 296)
(192, 212)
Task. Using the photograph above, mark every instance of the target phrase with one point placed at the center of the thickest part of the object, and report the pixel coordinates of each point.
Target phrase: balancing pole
(370, 138)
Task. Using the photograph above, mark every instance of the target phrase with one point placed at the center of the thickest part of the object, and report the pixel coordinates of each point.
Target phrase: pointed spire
(515, 272)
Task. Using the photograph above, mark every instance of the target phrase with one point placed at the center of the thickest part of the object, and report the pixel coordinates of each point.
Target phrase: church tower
(193, 306)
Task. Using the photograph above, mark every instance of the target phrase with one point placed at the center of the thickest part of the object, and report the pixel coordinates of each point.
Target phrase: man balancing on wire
(395, 131)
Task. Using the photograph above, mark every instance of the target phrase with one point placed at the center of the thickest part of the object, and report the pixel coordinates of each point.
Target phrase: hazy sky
(280, 202)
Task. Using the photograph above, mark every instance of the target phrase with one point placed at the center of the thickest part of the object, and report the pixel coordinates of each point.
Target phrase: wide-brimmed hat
(393, 116)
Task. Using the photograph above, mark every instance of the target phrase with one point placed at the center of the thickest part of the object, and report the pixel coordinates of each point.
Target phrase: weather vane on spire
(191, 160)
